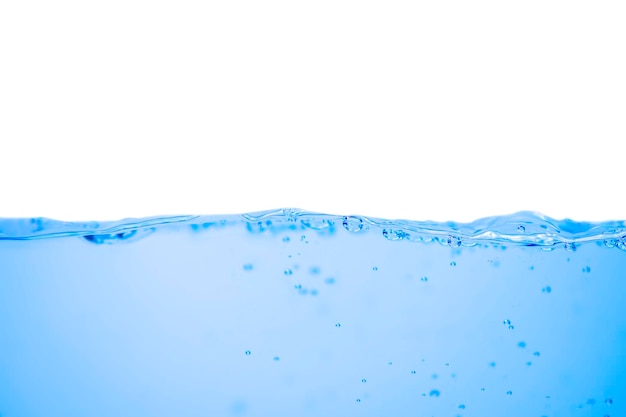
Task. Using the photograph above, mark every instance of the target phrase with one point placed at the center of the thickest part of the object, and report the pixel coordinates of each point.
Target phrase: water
(289, 313)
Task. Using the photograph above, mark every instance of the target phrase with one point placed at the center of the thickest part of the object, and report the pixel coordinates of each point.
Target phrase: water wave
(523, 228)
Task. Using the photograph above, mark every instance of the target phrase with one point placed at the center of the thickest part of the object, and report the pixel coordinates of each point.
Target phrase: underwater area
(293, 313)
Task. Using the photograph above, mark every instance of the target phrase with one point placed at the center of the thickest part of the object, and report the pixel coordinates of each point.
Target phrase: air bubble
(536, 354)
(353, 224)
(329, 281)
(621, 243)
(522, 344)
(586, 269)
(434, 393)
(337, 324)
(452, 263)
(364, 380)
(509, 393)
(286, 239)
(358, 400)
(391, 234)
(570, 246)
(492, 364)
(248, 353)
(288, 272)
(413, 372)
(521, 229)
(608, 401)
(454, 241)
(424, 279)
(375, 268)
(247, 267)
(462, 406)
(547, 289)
(276, 358)
(610, 243)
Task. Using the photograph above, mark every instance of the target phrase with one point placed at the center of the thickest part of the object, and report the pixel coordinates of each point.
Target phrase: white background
(435, 110)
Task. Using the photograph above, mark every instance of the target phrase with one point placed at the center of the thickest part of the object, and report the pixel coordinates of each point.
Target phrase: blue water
(290, 313)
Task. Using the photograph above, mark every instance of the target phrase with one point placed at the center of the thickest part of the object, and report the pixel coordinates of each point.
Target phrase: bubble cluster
(391, 234)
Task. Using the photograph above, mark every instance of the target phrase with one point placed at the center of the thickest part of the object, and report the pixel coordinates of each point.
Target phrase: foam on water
(288, 312)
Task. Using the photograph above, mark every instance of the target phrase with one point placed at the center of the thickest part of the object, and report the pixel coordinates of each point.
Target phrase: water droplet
(610, 243)
(353, 224)
(391, 234)
(452, 263)
(375, 268)
(454, 241)
(286, 239)
(462, 406)
(329, 281)
(521, 229)
(621, 243)
(522, 344)
(511, 327)
(536, 354)
(434, 393)
(413, 372)
(288, 272)
(298, 286)
(547, 289)
(248, 353)
(358, 400)
(608, 401)
(424, 279)
(247, 267)
(506, 322)
(337, 324)
(364, 380)
(276, 358)
(509, 393)
(532, 267)
(570, 246)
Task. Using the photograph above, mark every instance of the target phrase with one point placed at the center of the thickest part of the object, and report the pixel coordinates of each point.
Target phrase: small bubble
(570, 246)
(482, 389)
(452, 263)
(529, 363)
(313, 293)
(276, 358)
(413, 372)
(511, 327)
(358, 400)
(536, 353)
(302, 238)
(506, 322)
(522, 344)
(462, 406)
(375, 268)
(608, 401)
(329, 281)
(621, 243)
(591, 401)
(492, 364)
(547, 289)
(286, 239)
(248, 353)
(434, 376)
(434, 393)
(337, 324)
(364, 380)
(454, 241)
(353, 224)
(247, 267)
(509, 393)
(424, 279)
(586, 269)
(389, 363)
(298, 286)
(532, 267)
(610, 243)
(521, 229)
(288, 272)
